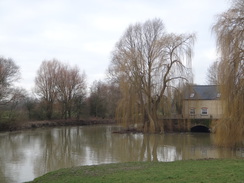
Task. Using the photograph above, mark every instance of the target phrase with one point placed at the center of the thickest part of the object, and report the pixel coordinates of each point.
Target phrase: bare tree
(98, 99)
(71, 85)
(11, 97)
(45, 84)
(147, 62)
(60, 84)
(103, 99)
(9, 73)
(214, 74)
(229, 30)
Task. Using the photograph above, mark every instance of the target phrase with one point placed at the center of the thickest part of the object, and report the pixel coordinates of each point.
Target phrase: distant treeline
(60, 92)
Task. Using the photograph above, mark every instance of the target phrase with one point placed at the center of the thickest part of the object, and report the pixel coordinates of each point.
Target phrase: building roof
(202, 92)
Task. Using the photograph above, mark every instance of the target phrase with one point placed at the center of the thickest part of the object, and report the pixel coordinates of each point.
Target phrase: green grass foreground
(178, 171)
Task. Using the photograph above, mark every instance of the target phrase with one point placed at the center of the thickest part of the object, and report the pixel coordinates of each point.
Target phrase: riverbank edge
(206, 170)
(17, 126)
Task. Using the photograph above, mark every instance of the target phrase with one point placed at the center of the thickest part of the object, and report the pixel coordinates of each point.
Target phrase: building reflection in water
(29, 154)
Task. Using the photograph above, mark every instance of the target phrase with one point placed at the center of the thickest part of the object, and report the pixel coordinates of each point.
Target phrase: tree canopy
(229, 31)
(9, 73)
(57, 82)
(148, 63)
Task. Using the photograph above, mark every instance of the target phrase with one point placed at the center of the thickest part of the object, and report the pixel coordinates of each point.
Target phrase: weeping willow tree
(148, 63)
(229, 30)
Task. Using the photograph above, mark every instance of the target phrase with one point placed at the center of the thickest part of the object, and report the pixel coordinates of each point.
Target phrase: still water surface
(29, 154)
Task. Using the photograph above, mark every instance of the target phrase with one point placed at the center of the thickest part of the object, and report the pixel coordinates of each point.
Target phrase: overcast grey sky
(84, 33)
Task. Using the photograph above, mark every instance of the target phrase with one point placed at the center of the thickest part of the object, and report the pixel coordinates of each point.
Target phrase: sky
(84, 33)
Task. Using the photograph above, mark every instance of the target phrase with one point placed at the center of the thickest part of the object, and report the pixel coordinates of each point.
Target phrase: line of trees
(60, 92)
(148, 71)
(103, 99)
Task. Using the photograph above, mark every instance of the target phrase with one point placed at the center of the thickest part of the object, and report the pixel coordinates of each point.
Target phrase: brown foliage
(148, 63)
(59, 84)
(214, 74)
(229, 30)
(70, 85)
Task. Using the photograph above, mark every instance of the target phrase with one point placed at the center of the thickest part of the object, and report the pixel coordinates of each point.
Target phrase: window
(192, 95)
(192, 111)
(204, 111)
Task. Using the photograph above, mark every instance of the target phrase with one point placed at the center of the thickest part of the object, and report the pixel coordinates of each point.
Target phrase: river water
(28, 154)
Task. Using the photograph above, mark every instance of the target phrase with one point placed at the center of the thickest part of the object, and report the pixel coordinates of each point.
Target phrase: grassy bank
(178, 171)
(14, 126)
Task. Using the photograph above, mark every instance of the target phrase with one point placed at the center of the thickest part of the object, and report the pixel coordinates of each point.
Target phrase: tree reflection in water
(28, 154)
